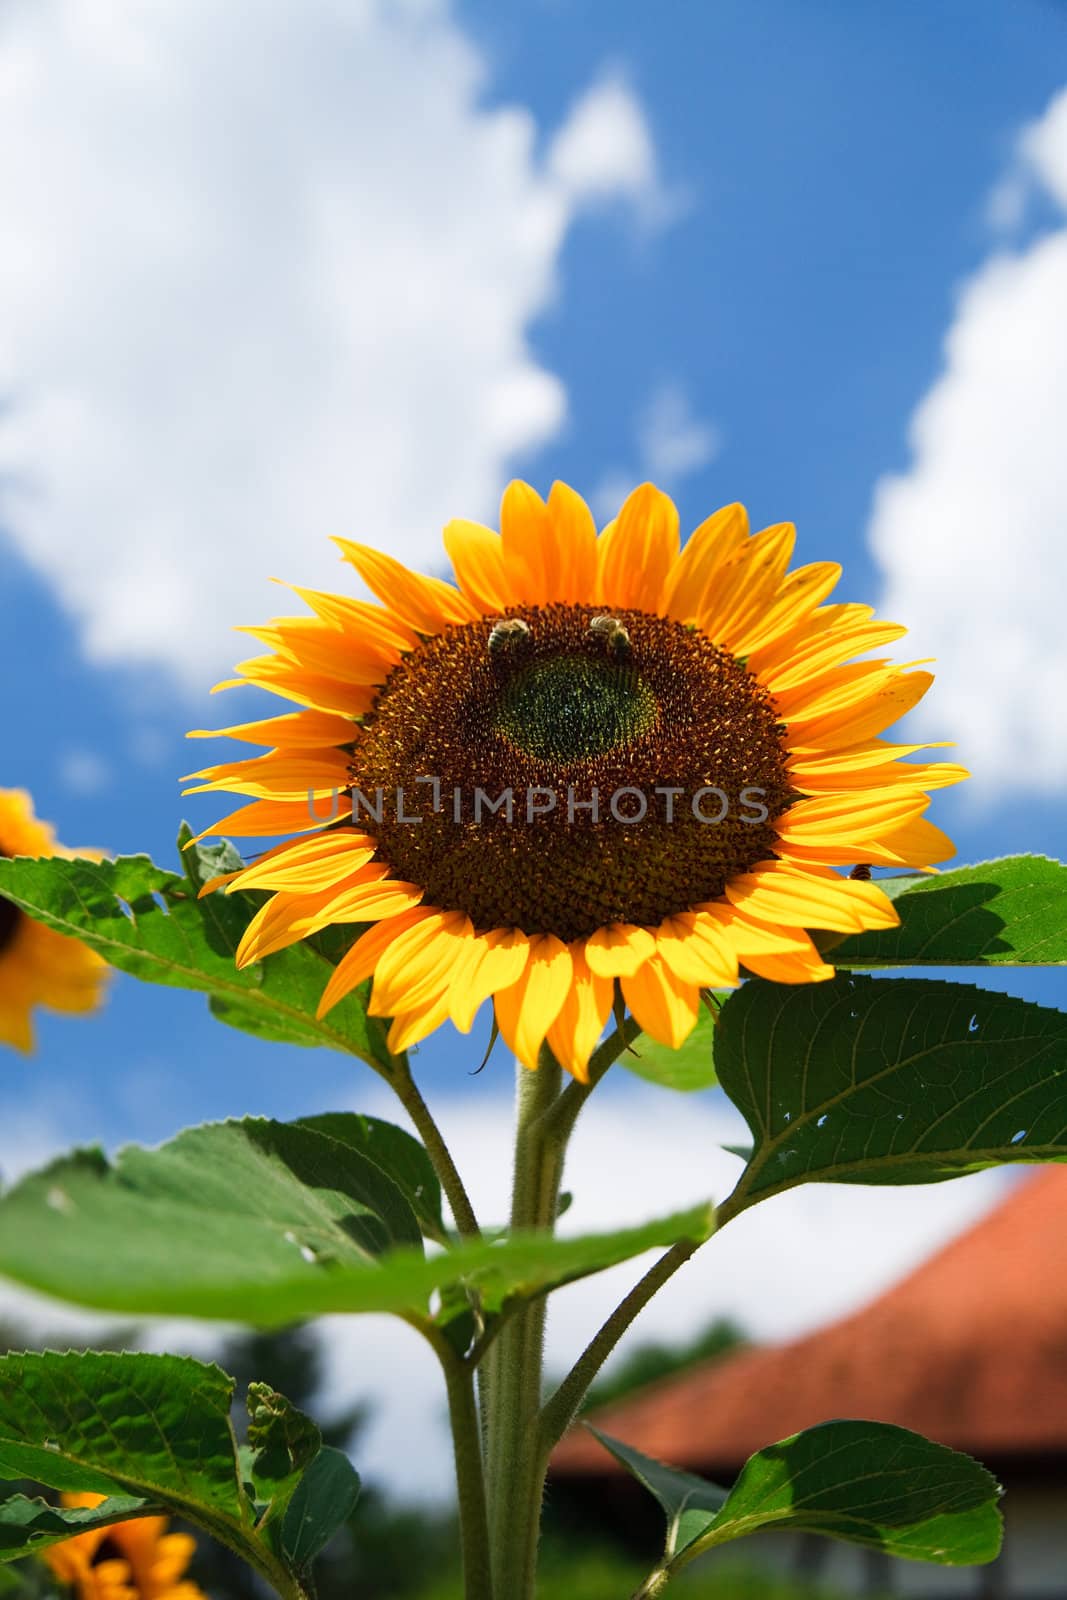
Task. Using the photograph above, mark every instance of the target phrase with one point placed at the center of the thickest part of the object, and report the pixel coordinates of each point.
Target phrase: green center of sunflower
(10, 916)
(558, 770)
(572, 708)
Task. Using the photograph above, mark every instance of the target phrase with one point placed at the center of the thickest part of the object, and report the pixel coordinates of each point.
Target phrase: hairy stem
(468, 1456)
(470, 1480)
(407, 1092)
(515, 1464)
(563, 1114)
(559, 1412)
(653, 1585)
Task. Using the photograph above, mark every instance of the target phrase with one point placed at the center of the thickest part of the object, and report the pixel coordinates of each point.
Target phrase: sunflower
(592, 765)
(137, 1560)
(37, 965)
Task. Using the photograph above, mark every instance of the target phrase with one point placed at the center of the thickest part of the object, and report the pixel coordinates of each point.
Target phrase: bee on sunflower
(136, 1560)
(594, 765)
(38, 967)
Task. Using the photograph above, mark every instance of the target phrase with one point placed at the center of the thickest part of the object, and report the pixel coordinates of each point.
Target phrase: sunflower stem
(563, 1113)
(407, 1092)
(470, 1480)
(654, 1584)
(560, 1410)
(468, 1454)
(515, 1463)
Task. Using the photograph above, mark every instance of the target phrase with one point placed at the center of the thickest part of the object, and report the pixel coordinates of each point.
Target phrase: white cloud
(970, 537)
(604, 151)
(267, 276)
(672, 442)
(1043, 147)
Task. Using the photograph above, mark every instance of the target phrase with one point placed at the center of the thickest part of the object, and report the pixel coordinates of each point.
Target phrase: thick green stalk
(515, 1462)
(470, 1482)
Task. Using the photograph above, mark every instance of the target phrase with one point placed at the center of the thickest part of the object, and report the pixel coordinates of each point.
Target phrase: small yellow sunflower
(593, 761)
(137, 1560)
(38, 967)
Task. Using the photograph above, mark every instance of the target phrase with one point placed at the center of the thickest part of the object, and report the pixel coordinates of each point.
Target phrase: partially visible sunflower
(566, 663)
(38, 967)
(137, 1560)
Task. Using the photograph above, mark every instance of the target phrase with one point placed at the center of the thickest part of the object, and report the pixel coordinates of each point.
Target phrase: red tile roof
(970, 1349)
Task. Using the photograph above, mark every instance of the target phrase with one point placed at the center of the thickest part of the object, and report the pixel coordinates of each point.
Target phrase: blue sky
(727, 241)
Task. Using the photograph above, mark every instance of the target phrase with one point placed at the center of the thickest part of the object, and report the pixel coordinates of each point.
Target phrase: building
(970, 1349)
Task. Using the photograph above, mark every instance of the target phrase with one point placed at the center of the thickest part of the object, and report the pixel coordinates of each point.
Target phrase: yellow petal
(287, 678)
(295, 730)
(753, 937)
(695, 948)
(495, 960)
(321, 648)
(869, 716)
(531, 557)
(279, 922)
(638, 550)
(574, 533)
(833, 691)
(576, 1032)
(427, 604)
(418, 963)
(265, 819)
(359, 620)
(618, 950)
(370, 899)
(745, 584)
(798, 967)
(799, 664)
(797, 597)
(925, 775)
(779, 894)
(309, 864)
(823, 818)
(704, 553)
(477, 558)
(358, 963)
(664, 1006)
(280, 775)
(913, 842)
(527, 1010)
(409, 1027)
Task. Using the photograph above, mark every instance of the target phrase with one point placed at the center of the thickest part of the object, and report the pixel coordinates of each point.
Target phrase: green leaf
(282, 1443)
(152, 1426)
(691, 1503)
(324, 1500)
(150, 923)
(691, 1066)
(237, 1215)
(1007, 912)
(865, 1080)
(28, 1526)
(153, 1433)
(267, 1223)
(397, 1153)
(865, 1482)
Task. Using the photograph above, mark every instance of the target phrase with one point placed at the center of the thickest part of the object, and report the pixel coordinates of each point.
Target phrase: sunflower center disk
(572, 708)
(556, 770)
